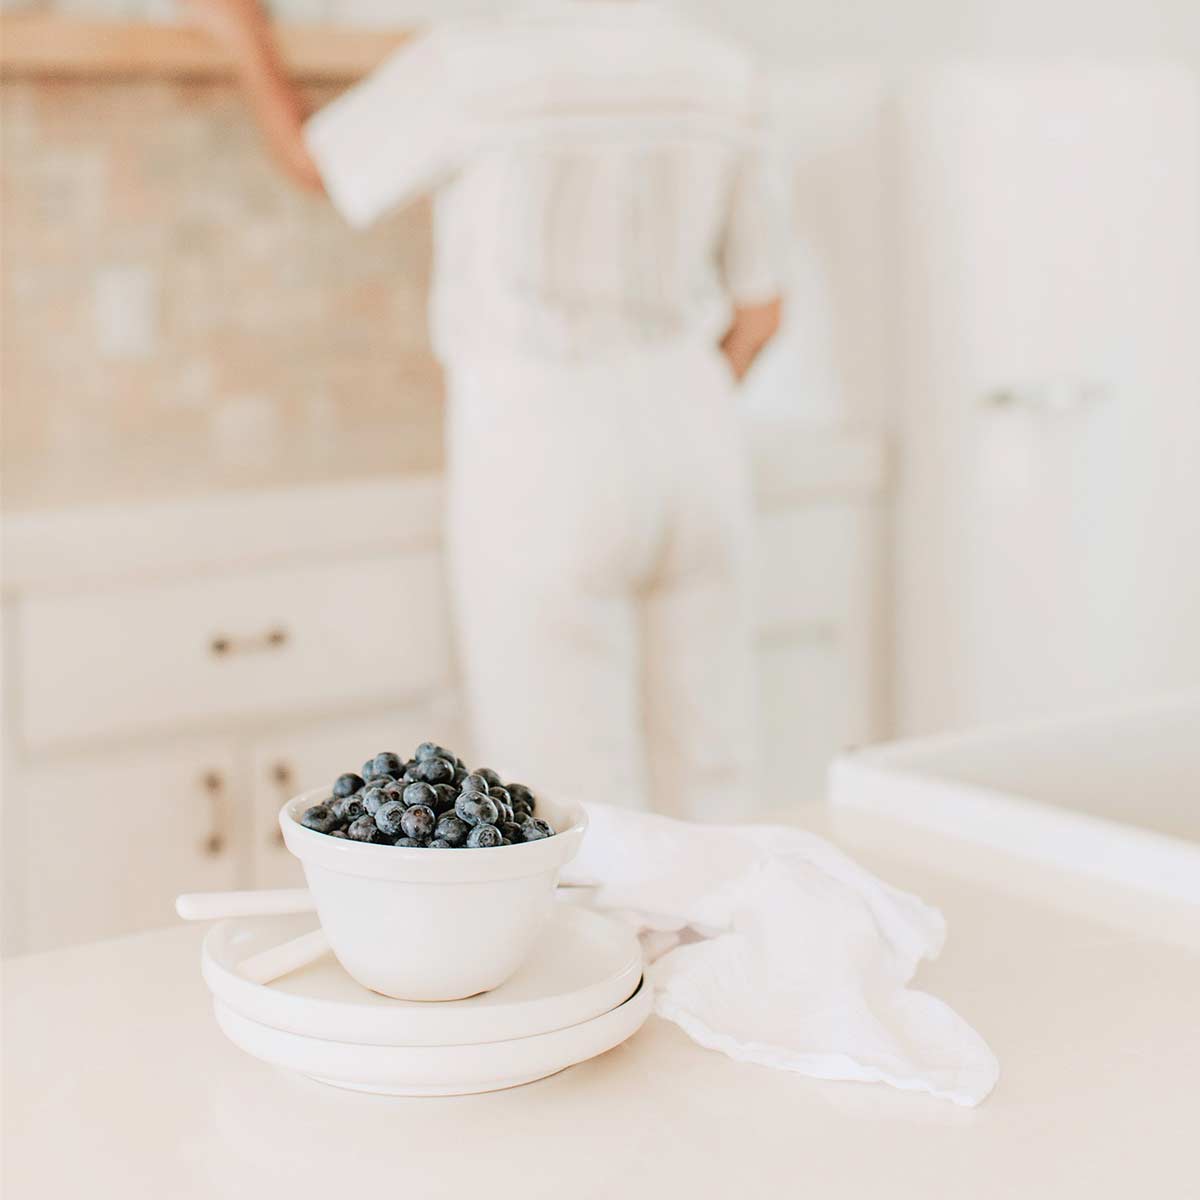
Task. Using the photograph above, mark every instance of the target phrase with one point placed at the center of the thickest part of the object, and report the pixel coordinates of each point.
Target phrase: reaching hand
(242, 28)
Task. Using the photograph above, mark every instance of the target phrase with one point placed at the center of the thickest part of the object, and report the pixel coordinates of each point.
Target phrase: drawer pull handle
(281, 773)
(214, 785)
(221, 645)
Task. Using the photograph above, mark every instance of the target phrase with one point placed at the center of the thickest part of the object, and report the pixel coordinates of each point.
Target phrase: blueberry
(320, 817)
(387, 763)
(407, 841)
(430, 750)
(349, 808)
(388, 818)
(445, 798)
(492, 778)
(535, 829)
(368, 770)
(346, 785)
(394, 790)
(475, 783)
(518, 792)
(420, 793)
(372, 798)
(451, 829)
(418, 821)
(511, 831)
(365, 830)
(337, 833)
(500, 793)
(476, 809)
(435, 770)
(460, 773)
(484, 836)
(439, 844)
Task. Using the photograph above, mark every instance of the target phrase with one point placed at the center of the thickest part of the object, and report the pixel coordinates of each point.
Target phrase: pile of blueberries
(429, 800)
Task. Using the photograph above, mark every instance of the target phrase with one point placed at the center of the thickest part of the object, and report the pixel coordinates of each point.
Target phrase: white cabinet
(110, 839)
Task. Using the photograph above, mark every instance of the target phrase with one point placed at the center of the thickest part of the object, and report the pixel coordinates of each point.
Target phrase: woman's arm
(278, 108)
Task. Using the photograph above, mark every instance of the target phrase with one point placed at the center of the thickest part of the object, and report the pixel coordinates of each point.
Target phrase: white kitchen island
(117, 1081)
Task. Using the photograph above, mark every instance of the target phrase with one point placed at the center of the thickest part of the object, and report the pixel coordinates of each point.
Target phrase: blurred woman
(606, 259)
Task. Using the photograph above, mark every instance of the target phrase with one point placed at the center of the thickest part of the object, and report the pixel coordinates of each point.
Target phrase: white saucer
(437, 1070)
(586, 964)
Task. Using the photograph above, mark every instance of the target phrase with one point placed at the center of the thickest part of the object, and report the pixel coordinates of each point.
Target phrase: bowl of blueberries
(432, 881)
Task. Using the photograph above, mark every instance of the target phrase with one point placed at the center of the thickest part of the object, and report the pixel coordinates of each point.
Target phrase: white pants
(599, 537)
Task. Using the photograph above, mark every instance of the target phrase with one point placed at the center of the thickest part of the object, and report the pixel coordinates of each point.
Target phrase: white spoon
(211, 906)
(267, 965)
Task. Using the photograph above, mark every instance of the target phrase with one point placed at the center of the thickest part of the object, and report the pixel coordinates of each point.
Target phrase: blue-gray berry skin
(412, 843)
(418, 821)
(368, 770)
(365, 830)
(460, 774)
(492, 778)
(475, 783)
(321, 818)
(420, 793)
(452, 829)
(484, 837)
(518, 792)
(497, 792)
(349, 808)
(387, 763)
(373, 798)
(337, 833)
(388, 818)
(445, 795)
(476, 809)
(346, 785)
(394, 790)
(535, 829)
(431, 750)
(511, 831)
(435, 770)
(439, 844)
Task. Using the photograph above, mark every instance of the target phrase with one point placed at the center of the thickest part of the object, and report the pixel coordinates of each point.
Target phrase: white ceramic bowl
(420, 924)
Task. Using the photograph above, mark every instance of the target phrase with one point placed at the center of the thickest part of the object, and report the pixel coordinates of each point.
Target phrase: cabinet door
(314, 756)
(111, 839)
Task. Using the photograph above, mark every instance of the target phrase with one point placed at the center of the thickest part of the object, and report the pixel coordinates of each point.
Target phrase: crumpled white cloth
(770, 945)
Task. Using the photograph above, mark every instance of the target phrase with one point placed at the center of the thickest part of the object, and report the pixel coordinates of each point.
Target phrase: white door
(314, 756)
(111, 839)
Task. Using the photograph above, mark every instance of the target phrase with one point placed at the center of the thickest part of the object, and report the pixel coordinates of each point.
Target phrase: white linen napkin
(772, 946)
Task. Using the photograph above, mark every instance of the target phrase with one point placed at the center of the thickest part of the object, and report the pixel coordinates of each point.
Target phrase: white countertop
(58, 539)
(118, 1082)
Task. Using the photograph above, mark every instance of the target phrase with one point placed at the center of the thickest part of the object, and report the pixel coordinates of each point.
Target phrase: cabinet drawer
(204, 650)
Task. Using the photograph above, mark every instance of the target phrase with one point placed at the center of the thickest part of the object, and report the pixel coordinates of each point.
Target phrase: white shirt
(600, 176)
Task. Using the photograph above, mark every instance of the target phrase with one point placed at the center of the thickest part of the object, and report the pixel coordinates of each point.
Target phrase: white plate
(437, 1070)
(585, 964)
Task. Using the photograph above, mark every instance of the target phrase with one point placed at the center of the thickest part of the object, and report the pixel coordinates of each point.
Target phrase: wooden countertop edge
(40, 44)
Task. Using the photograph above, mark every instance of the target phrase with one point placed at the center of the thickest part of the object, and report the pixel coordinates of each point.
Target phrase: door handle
(214, 841)
(223, 645)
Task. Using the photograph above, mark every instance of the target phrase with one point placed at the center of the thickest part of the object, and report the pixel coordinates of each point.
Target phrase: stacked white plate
(579, 995)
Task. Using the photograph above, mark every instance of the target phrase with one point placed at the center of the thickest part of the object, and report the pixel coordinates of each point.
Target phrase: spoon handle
(269, 965)
(209, 906)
